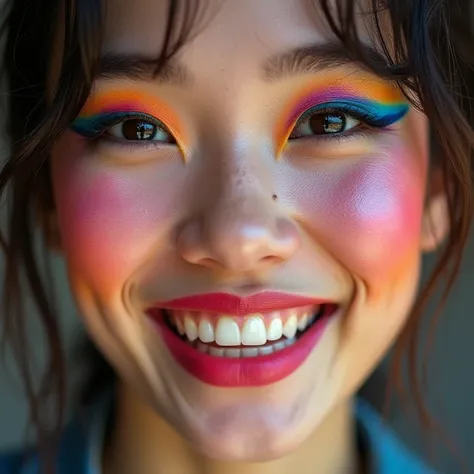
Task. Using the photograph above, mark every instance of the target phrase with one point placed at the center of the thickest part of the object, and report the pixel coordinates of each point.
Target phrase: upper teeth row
(226, 331)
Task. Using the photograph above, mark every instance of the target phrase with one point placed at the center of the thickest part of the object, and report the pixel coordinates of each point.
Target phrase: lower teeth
(236, 352)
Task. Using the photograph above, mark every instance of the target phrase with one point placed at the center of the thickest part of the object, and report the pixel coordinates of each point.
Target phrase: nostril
(270, 259)
(209, 262)
(238, 243)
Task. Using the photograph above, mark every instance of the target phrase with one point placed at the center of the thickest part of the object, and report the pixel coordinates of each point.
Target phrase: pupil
(327, 123)
(138, 130)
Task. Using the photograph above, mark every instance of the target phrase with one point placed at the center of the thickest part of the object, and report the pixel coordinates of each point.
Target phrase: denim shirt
(81, 447)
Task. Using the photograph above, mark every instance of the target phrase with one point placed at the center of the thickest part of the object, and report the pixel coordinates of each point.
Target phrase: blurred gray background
(449, 395)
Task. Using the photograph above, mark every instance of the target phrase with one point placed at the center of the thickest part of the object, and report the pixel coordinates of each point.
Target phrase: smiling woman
(242, 192)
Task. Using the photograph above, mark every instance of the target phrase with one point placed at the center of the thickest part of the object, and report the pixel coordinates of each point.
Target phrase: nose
(239, 234)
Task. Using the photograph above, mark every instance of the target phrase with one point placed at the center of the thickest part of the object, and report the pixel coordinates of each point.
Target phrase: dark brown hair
(424, 57)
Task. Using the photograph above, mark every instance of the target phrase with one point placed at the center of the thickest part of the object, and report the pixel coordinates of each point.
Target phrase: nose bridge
(241, 209)
(237, 219)
(241, 161)
(240, 227)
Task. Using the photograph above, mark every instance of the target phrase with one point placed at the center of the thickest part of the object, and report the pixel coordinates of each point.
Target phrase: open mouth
(231, 341)
(245, 337)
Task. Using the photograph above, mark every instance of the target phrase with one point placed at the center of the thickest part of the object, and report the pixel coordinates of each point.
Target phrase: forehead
(245, 30)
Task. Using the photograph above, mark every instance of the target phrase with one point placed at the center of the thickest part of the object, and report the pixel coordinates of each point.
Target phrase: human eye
(139, 128)
(343, 119)
(127, 128)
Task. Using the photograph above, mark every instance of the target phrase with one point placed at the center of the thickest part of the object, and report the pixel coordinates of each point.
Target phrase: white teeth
(190, 329)
(289, 342)
(303, 322)
(254, 332)
(278, 346)
(249, 352)
(227, 332)
(244, 352)
(216, 351)
(179, 326)
(232, 353)
(206, 331)
(275, 330)
(290, 327)
(265, 350)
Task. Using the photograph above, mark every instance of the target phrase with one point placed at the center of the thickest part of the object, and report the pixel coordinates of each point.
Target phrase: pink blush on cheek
(100, 231)
(110, 219)
(381, 212)
(369, 214)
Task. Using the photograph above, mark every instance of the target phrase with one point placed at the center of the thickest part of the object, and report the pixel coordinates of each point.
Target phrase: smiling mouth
(249, 336)
(231, 341)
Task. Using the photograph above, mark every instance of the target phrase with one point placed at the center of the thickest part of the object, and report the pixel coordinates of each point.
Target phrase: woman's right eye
(139, 130)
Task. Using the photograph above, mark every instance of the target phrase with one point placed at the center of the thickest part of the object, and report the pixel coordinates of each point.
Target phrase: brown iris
(322, 124)
(138, 129)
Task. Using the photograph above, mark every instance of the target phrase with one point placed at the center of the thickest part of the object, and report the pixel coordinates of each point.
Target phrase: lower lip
(242, 372)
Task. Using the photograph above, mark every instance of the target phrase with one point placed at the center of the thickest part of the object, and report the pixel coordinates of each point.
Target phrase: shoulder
(78, 450)
(18, 462)
(72, 455)
(386, 452)
(8, 463)
(71, 458)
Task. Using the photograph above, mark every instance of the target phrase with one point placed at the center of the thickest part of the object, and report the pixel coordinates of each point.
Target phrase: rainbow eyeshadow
(376, 103)
(117, 105)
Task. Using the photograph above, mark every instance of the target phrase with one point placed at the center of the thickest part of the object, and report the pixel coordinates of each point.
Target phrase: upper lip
(234, 305)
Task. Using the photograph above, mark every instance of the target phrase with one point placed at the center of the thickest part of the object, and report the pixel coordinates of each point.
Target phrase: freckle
(275, 197)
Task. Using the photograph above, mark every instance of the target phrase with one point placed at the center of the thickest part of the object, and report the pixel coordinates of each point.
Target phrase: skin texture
(339, 218)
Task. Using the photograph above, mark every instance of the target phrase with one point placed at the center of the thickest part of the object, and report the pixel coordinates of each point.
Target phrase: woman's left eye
(139, 129)
(323, 123)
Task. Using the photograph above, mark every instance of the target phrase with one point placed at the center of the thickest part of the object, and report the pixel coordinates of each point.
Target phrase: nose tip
(240, 246)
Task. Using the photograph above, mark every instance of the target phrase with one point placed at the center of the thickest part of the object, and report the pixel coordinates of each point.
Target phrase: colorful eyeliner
(91, 126)
(104, 110)
(378, 104)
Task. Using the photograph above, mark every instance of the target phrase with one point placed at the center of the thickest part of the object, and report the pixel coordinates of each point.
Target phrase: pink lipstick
(231, 341)
(224, 303)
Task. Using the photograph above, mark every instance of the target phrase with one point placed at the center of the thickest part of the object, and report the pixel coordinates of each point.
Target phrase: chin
(248, 442)
(246, 448)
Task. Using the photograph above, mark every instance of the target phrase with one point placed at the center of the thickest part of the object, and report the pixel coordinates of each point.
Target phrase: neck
(142, 443)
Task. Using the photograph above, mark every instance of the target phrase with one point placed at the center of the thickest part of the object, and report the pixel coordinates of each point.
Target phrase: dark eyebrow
(142, 68)
(316, 58)
(303, 60)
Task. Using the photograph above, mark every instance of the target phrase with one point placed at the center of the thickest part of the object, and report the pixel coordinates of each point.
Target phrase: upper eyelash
(356, 110)
(94, 127)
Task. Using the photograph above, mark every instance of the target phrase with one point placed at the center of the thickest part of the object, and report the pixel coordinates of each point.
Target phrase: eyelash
(96, 131)
(359, 112)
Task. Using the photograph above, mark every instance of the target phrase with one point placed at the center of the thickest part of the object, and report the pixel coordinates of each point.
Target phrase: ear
(435, 225)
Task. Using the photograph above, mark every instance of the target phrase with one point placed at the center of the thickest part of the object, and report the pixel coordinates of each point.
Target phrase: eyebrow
(319, 57)
(310, 59)
(143, 68)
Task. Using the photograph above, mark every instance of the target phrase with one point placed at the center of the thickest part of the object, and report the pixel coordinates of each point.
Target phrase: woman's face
(263, 190)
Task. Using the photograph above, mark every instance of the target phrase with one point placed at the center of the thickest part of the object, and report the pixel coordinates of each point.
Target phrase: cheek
(110, 218)
(369, 214)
